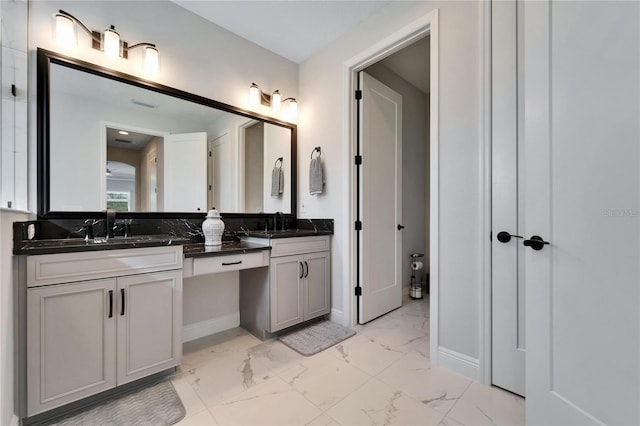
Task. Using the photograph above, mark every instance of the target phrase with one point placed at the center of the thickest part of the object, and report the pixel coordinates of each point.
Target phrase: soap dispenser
(212, 228)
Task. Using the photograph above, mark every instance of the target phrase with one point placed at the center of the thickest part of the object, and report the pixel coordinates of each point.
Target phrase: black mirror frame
(44, 60)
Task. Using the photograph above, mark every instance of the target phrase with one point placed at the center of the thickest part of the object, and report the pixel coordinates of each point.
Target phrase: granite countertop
(227, 247)
(70, 245)
(287, 233)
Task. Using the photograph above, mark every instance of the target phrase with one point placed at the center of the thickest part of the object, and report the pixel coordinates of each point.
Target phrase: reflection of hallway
(382, 375)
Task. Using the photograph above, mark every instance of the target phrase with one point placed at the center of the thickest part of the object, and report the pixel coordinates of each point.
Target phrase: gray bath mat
(156, 405)
(316, 337)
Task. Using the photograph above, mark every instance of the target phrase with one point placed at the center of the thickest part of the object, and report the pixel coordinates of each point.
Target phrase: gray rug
(156, 405)
(316, 337)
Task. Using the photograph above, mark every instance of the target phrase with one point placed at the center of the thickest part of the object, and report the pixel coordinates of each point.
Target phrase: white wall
(13, 127)
(322, 121)
(415, 168)
(7, 217)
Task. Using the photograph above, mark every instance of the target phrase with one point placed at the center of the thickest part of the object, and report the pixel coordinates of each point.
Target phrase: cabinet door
(149, 312)
(286, 291)
(316, 284)
(70, 342)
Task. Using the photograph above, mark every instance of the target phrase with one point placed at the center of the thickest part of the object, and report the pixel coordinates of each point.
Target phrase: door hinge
(358, 94)
(209, 153)
(358, 225)
(358, 160)
(209, 187)
(358, 291)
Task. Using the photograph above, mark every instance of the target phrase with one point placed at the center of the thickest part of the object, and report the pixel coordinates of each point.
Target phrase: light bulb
(65, 31)
(111, 42)
(254, 94)
(151, 60)
(293, 107)
(276, 101)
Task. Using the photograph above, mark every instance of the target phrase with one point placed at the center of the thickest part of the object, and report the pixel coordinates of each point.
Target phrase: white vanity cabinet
(294, 288)
(96, 320)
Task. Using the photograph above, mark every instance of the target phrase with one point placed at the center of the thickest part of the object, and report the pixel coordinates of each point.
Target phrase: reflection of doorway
(139, 149)
(121, 186)
(253, 176)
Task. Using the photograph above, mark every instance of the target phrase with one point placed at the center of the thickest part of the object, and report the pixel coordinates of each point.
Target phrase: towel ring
(280, 160)
(318, 150)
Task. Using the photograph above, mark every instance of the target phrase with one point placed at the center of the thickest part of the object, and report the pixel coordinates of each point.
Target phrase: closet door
(507, 295)
(582, 188)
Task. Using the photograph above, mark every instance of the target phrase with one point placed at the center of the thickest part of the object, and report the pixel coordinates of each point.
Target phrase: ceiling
(304, 27)
(294, 29)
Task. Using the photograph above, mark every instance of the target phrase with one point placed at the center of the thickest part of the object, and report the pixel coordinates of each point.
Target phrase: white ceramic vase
(213, 228)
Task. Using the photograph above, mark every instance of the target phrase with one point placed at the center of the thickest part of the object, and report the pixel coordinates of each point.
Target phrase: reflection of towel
(316, 180)
(277, 181)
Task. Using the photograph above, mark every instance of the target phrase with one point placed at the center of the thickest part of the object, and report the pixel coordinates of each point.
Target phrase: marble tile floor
(380, 376)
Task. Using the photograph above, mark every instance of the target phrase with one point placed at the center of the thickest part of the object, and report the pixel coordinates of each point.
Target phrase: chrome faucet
(87, 227)
(109, 223)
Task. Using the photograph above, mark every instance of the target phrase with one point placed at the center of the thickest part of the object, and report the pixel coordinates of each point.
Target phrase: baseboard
(460, 363)
(208, 327)
(338, 317)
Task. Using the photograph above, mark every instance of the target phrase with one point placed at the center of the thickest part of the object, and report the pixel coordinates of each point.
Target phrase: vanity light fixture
(275, 101)
(109, 41)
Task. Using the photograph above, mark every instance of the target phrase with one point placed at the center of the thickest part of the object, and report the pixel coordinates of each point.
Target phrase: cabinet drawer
(289, 246)
(69, 267)
(231, 262)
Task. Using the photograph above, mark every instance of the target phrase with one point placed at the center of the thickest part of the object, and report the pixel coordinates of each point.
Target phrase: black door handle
(301, 270)
(122, 300)
(306, 274)
(400, 227)
(110, 303)
(505, 237)
(535, 242)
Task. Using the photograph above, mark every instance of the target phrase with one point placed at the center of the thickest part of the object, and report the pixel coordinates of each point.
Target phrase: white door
(152, 181)
(507, 296)
(582, 187)
(221, 182)
(185, 172)
(380, 124)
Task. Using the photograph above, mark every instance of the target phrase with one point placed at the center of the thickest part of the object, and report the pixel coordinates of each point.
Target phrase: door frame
(428, 24)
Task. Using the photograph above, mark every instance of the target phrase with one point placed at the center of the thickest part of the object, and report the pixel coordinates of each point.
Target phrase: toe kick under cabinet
(97, 320)
(294, 289)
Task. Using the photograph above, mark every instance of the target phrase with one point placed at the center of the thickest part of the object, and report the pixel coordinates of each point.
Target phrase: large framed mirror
(112, 140)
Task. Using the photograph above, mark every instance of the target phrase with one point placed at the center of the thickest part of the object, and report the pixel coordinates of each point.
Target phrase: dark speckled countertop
(227, 247)
(287, 233)
(70, 245)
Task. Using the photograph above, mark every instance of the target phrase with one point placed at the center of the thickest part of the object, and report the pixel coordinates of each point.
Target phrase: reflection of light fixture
(257, 96)
(109, 41)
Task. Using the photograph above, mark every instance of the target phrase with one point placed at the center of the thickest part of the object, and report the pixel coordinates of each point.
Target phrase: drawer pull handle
(122, 299)
(231, 263)
(110, 303)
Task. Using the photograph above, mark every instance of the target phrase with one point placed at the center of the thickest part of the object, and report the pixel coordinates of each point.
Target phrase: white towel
(316, 179)
(277, 181)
